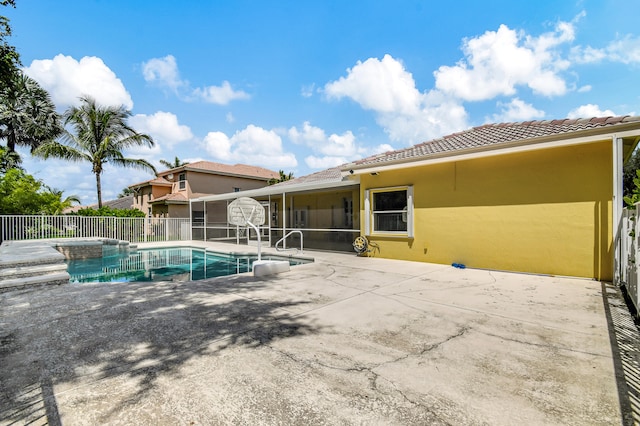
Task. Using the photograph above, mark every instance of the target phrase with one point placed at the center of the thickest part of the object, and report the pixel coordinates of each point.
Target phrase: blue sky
(305, 85)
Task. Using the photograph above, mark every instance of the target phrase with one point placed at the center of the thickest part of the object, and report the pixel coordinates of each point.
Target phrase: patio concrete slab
(345, 340)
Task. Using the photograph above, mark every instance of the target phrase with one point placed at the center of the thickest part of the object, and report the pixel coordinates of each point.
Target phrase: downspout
(618, 172)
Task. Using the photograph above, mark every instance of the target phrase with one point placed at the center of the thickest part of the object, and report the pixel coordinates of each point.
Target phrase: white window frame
(368, 212)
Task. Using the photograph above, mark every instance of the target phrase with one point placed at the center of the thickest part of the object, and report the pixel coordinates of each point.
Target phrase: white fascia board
(275, 190)
(448, 157)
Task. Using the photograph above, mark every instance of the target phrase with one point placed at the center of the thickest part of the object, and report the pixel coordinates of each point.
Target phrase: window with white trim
(389, 211)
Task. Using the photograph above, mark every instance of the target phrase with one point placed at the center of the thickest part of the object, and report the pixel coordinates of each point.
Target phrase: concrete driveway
(345, 340)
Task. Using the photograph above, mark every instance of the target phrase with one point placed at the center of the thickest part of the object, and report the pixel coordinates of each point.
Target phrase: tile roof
(176, 197)
(493, 136)
(154, 181)
(125, 202)
(328, 175)
(227, 169)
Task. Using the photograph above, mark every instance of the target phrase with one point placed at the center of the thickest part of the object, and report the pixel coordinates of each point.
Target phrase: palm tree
(27, 115)
(60, 204)
(126, 192)
(282, 178)
(9, 57)
(176, 163)
(100, 134)
(9, 160)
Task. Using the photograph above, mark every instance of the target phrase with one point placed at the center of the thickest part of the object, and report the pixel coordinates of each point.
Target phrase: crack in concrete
(545, 345)
(373, 376)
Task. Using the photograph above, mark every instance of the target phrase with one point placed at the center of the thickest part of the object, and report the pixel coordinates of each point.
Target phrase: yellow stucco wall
(546, 211)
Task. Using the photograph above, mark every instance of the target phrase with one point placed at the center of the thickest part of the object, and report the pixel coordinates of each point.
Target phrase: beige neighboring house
(168, 194)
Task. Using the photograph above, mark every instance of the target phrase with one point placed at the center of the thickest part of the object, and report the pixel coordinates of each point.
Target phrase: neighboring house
(537, 196)
(125, 202)
(168, 194)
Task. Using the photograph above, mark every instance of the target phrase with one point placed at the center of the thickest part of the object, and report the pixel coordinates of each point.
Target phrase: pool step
(31, 265)
(7, 273)
(32, 281)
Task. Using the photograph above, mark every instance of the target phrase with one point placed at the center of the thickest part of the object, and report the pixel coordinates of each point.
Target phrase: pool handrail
(297, 231)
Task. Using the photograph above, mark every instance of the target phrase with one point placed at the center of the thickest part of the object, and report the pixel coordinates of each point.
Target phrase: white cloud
(315, 162)
(329, 151)
(584, 89)
(327, 161)
(252, 145)
(380, 85)
(66, 79)
(163, 127)
(590, 110)
(165, 130)
(497, 62)
(220, 95)
(164, 72)
(218, 145)
(517, 110)
(309, 135)
(585, 55)
(307, 91)
(406, 114)
(625, 50)
(230, 118)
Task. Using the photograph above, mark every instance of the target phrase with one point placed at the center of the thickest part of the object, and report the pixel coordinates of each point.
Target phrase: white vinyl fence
(627, 256)
(136, 229)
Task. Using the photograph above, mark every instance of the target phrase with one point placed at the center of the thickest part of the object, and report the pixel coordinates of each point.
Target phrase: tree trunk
(11, 139)
(99, 188)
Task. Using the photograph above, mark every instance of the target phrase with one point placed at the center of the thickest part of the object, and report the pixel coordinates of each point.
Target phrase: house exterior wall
(141, 199)
(546, 211)
(195, 182)
(206, 183)
(177, 210)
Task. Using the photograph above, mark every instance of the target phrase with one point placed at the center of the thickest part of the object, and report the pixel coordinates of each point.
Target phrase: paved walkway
(345, 340)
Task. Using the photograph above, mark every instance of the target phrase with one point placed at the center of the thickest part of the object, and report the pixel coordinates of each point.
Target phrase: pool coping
(37, 263)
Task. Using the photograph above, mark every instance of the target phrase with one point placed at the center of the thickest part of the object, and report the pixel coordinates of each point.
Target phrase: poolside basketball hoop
(245, 211)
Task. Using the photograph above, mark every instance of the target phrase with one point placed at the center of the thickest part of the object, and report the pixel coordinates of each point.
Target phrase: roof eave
(543, 142)
(217, 172)
(149, 183)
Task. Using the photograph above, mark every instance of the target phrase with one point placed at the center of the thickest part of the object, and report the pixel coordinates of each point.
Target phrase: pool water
(166, 264)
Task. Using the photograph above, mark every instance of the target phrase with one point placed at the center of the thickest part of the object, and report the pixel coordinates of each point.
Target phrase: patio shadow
(625, 346)
(77, 335)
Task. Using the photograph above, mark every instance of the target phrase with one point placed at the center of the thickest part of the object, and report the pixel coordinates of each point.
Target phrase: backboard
(245, 210)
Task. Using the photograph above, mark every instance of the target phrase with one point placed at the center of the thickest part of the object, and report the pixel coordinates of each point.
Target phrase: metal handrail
(287, 235)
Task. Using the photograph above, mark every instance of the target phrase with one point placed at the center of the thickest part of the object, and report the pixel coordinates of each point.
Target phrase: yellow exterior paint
(546, 211)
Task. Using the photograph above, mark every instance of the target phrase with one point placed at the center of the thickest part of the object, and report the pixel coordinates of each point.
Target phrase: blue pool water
(166, 264)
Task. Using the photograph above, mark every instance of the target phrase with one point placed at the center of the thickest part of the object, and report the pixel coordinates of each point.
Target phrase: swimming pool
(164, 264)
